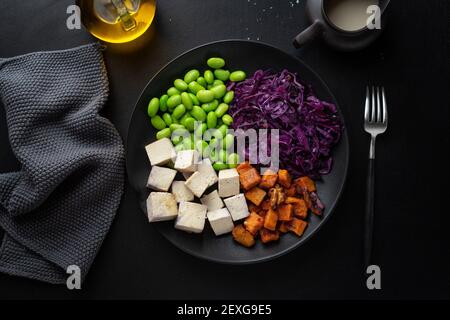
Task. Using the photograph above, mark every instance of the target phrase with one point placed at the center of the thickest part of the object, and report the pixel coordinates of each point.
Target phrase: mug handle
(308, 34)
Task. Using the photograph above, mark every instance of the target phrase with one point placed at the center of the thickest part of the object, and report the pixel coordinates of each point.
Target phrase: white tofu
(191, 217)
(228, 182)
(206, 169)
(237, 206)
(161, 206)
(181, 192)
(197, 183)
(161, 178)
(186, 175)
(160, 152)
(186, 161)
(212, 201)
(220, 221)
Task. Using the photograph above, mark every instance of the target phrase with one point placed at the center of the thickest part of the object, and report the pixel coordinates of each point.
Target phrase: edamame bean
(228, 141)
(227, 119)
(209, 76)
(219, 91)
(201, 146)
(194, 99)
(214, 142)
(173, 101)
(158, 123)
(167, 119)
(221, 74)
(217, 82)
(163, 102)
(188, 144)
(233, 160)
(198, 113)
(220, 166)
(176, 126)
(186, 100)
(180, 85)
(223, 130)
(211, 120)
(179, 111)
(201, 81)
(221, 110)
(164, 133)
(195, 87)
(189, 123)
(228, 97)
(237, 76)
(172, 91)
(153, 107)
(191, 75)
(210, 106)
(222, 157)
(205, 96)
(216, 63)
(176, 139)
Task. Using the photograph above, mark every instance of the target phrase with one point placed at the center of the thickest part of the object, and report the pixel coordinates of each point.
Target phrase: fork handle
(368, 223)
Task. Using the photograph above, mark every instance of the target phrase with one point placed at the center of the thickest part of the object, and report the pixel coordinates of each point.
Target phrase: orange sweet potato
(270, 220)
(296, 226)
(252, 207)
(268, 179)
(300, 209)
(284, 178)
(291, 191)
(285, 212)
(243, 236)
(253, 223)
(306, 182)
(255, 195)
(249, 178)
(244, 166)
(269, 235)
(292, 200)
(282, 227)
(265, 205)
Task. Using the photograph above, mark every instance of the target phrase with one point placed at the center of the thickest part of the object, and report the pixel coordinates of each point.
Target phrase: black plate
(248, 56)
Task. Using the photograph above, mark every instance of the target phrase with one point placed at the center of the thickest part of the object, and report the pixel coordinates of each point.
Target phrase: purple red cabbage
(309, 128)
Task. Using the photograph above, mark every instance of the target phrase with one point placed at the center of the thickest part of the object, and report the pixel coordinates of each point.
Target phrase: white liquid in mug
(349, 15)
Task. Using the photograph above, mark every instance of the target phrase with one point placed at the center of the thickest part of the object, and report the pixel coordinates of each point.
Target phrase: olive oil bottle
(117, 21)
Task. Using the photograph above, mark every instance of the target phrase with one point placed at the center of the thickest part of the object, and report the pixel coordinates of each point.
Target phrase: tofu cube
(186, 161)
(197, 183)
(161, 178)
(228, 182)
(186, 175)
(220, 221)
(161, 206)
(160, 152)
(237, 206)
(212, 201)
(181, 192)
(206, 169)
(191, 217)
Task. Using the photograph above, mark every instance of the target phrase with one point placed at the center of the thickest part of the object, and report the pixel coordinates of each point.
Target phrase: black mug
(322, 26)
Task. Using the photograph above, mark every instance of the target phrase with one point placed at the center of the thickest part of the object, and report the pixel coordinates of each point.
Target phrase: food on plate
(255, 195)
(191, 217)
(212, 201)
(161, 178)
(254, 223)
(268, 179)
(237, 206)
(228, 182)
(297, 226)
(284, 178)
(197, 183)
(244, 237)
(220, 221)
(160, 152)
(309, 128)
(186, 161)
(267, 235)
(181, 192)
(249, 178)
(271, 219)
(161, 206)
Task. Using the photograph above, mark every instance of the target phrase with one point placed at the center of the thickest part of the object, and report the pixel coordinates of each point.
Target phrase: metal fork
(375, 123)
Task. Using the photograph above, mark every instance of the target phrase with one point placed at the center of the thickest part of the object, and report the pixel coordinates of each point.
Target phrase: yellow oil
(100, 18)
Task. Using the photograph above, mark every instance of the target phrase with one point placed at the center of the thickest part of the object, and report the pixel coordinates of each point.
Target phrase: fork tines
(376, 109)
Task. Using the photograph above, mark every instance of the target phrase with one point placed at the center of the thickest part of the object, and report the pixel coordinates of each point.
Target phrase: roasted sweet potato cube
(282, 227)
(292, 200)
(244, 166)
(249, 178)
(255, 195)
(263, 213)
(269, 235)
(300, 209)
(296, 226)
(291, 191)
(268, 179)
(244, 237)
(265, 205)
(307, 183)
(285, 212)
(271, 219)
(254, 208)
(284, 178)
(253, 223)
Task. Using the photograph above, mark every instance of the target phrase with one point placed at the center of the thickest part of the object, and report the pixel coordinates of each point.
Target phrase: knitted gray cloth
(57, 209)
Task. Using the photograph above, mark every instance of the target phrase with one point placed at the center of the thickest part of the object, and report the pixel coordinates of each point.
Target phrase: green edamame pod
(211, 120)
(228, 141)
(217, 82)
(180, 85)
(201, 146)
(186, 100)
(195, 87)
(220, 166)
(201, 81)
(194, 99)
(198, 113)
(173, 101)
(222, 156)
(209, 76)
(189, 123)
(172, 91)
(227, 119)
(219, 91)
(215, 63)
(191, 75)
(179, 111)
(158, 123)
(221, 110)
(167, 119)
(205, 96)
(163, 102)
(223, 130)
(183, 119)
(164, 133)
(228, 97)
(233, 160)
(153, 107)
(210, 106)
(237, 76)
(176, 126)
(221, 74)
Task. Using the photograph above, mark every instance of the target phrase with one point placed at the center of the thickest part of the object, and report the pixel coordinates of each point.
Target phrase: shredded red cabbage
(309, 128)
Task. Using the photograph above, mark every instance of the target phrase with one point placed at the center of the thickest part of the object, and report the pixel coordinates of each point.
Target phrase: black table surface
(412, 222)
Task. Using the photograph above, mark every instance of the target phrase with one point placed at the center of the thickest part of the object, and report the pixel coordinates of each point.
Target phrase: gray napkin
(57, 210)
